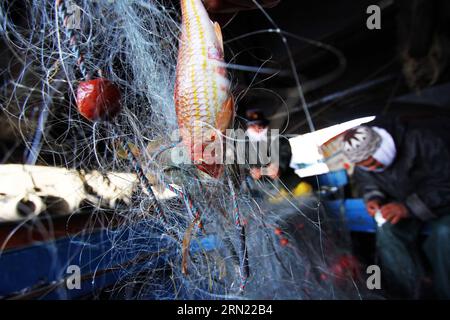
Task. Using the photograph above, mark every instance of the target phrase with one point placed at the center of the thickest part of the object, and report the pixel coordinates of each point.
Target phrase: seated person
(278, 170)
(404, 173)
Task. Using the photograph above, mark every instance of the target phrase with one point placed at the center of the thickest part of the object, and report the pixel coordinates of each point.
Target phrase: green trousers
(402, 261)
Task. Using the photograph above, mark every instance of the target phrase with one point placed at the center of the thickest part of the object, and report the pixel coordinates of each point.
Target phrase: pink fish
(203, 102)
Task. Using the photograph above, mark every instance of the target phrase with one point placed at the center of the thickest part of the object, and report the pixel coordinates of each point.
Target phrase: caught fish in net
(145, 88)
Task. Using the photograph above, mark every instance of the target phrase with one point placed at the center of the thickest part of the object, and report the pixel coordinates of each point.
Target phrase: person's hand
(230, 6)
(372, 206)
(273, 171)
(255, 173)
(394, 212)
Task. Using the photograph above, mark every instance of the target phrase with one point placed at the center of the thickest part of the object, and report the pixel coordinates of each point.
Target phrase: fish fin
(153, 146)
(186, 246)
(218, 31)
(225, 116)
(123, 154)
(210, 170)
(134, 149)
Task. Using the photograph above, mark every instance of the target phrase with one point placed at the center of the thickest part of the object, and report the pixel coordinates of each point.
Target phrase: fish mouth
(208, 158)
(213, 170)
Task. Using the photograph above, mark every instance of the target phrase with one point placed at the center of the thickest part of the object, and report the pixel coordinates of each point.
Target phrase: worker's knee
(404, 231)
(386, 234)
(440, 231)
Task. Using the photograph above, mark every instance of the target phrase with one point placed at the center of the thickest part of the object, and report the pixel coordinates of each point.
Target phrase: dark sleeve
(367, 187)
(432, 196)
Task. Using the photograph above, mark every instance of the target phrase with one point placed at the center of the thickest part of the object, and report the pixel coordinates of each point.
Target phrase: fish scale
(202, 90)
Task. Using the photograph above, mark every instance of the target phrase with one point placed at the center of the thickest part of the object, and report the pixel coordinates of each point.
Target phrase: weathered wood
(30, 190)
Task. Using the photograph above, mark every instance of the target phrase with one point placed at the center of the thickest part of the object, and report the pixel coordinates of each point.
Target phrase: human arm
(432, 195)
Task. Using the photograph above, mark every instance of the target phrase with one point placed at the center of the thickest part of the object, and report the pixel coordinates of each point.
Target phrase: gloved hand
(273, 171)
(372, 206)
(394, 212)
(255, 173)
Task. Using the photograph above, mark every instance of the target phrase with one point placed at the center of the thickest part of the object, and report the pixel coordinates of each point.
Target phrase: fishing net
(210, 238)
